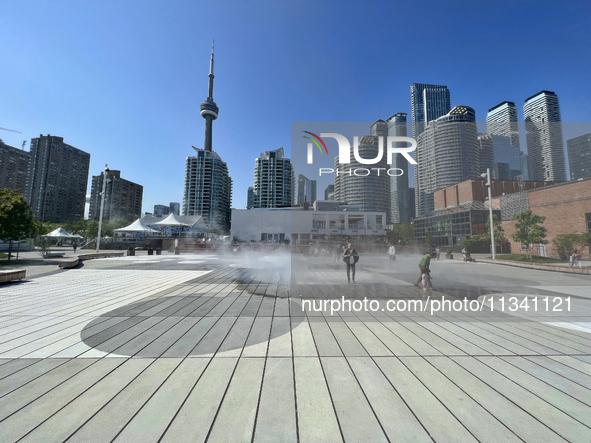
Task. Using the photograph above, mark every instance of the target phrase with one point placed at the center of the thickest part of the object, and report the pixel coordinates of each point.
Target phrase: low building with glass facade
(451, 226)
(461, 210)
(329, 220)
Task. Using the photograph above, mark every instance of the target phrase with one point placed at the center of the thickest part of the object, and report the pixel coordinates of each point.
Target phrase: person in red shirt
(577, 259)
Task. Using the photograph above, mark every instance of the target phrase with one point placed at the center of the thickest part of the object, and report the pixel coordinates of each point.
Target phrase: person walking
(424, 267)
(577, 259)
(438, 251)
(392, 252)
(350, 257)
(465, 253)
(74, 246)
(336, 253)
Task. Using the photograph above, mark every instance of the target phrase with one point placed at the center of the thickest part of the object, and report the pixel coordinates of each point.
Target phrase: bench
(54, 254)
(71, 263)
(83, 257)
(7, 276)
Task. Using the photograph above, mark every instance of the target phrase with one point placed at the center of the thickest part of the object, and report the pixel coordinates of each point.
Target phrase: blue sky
(123, 80)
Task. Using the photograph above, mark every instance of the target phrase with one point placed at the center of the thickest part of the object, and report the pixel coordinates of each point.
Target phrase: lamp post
(98, 238)
(492, 226)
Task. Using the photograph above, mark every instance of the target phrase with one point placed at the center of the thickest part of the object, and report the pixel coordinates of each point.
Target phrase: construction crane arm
(11, 130)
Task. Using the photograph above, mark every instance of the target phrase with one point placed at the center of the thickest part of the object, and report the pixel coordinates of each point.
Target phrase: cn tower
(209, 110)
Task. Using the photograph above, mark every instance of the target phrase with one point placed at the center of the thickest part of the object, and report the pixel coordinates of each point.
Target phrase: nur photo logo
(393, 146)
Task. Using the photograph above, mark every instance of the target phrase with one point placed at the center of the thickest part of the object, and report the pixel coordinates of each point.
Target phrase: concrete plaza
(217, 348)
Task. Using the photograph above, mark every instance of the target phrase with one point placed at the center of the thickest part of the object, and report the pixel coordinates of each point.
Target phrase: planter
(449, 256)
(131, 252)
(158, 251)
(176, 251)
(150, 252)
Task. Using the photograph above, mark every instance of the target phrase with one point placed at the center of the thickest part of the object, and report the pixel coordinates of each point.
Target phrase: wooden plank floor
(229, 354)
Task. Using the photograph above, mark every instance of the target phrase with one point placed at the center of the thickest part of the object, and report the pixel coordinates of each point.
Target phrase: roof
(171, 220)
(186, 220)
(539, 93)
(501, 104)
(136, 226)
(61, 233)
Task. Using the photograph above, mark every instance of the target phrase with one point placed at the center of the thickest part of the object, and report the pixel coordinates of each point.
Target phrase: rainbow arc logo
(315, 142)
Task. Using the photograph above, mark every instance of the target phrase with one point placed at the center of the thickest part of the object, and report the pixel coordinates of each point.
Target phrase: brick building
(566, 206)
(461, 210)
(57, 179)
(123, 198)
(475, 190)
(14, 164)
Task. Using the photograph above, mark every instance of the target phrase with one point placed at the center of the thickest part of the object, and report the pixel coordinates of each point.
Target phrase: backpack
(355, 258)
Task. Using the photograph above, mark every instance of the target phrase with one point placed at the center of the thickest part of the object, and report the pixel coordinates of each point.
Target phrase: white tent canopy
(136, 226)
(61, 233)
(171, 221)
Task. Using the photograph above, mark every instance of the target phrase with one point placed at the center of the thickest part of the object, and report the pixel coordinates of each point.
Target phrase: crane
(11, 130)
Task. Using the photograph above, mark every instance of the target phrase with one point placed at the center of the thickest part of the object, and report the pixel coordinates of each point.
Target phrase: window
(588, 217)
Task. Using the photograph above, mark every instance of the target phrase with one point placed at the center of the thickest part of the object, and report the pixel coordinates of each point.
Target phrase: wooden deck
(229, 355)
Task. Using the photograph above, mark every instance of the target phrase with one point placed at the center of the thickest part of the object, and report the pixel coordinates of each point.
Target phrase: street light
(98, 238)
(492, 227)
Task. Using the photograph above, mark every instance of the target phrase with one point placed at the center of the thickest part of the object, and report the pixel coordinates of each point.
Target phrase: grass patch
(14, 262)
(3, 255)
(534, 258)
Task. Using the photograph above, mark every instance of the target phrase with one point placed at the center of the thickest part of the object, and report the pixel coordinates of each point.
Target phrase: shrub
(567, 243)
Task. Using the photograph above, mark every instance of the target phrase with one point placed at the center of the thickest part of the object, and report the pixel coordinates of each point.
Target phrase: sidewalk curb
(537, 266)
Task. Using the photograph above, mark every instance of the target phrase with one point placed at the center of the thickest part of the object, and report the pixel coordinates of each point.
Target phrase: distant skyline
(124, 81)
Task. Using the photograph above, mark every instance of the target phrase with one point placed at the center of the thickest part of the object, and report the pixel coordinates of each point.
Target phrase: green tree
(110, 226)
(499, 232)
(566, 244)
(528, 230)
(16, 217)
(92, 229)
(78, 227)
(403, 231)
(428, 239)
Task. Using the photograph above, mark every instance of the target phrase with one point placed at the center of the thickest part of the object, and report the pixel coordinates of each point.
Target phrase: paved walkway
(207, 348)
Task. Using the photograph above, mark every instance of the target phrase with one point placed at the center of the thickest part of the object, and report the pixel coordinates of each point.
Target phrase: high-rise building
(250, 198)
(411, 200)
(371, 192)
(14, 165)
(161, 210)
(497, 153)
(507, 158)
(448, 152)
(487, 153)
(329, 192)
(175, 208)
(524, 166)
(172, 208)
(208, 189)
(502, 120)
(306, 190)
(399, 202)
(56, 180)
(208, 186)
(428, 102)
(123, 199)
(274, 180)
(543, 128)
(579, 156)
